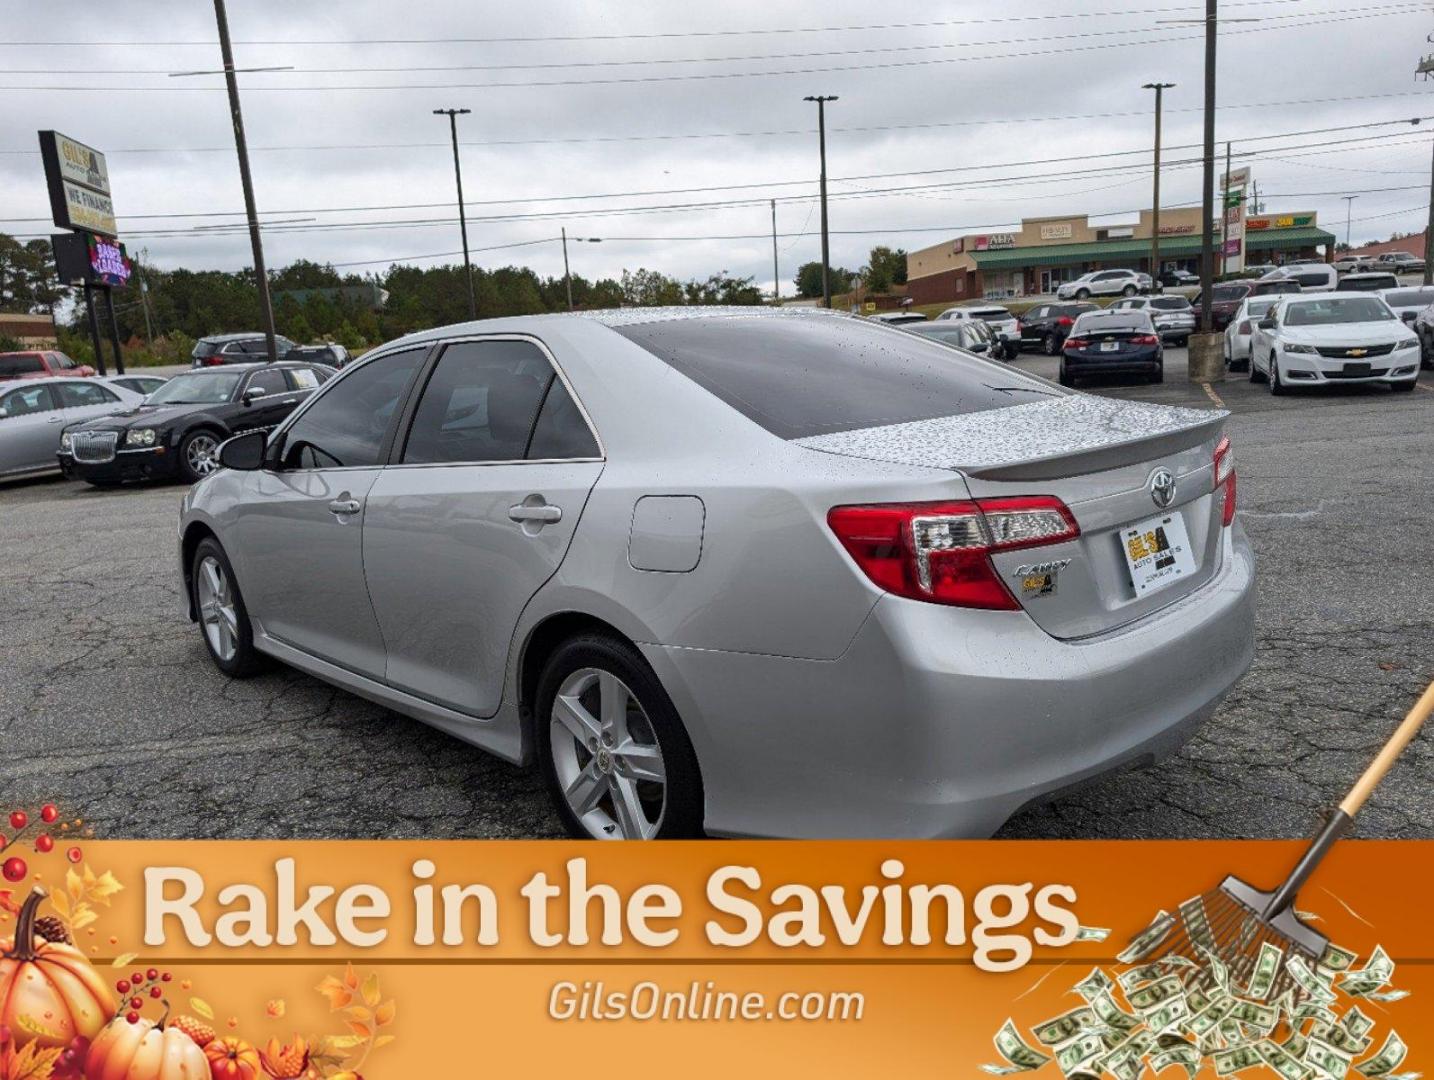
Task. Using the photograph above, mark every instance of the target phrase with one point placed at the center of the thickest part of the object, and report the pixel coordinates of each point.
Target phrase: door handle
(290, 401)
(542, 513)
(55, 420)
(345, 507)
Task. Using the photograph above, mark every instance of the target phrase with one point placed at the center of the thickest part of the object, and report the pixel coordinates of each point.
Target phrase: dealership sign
(1057, 231)
(109, 262)
(994, 241)
(79, 185)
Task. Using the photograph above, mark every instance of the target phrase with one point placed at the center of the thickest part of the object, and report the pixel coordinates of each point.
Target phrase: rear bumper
(152, 463)
(939, 722)
(1143, 363)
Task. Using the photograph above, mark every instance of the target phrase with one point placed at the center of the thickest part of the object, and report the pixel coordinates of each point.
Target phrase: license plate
(1356, 369)
(1109, 346)
(1157, 551)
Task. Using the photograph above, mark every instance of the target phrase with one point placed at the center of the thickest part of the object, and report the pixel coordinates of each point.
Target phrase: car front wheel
(1277, 386)
(198, 454)
(223, 618)
(616, 758)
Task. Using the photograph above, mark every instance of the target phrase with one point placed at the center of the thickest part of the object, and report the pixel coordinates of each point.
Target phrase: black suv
(177, 430)
(1047, 325)
(220, 349)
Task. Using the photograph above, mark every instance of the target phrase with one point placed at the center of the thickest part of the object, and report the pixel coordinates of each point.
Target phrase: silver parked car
(749, 572)
(34, 413)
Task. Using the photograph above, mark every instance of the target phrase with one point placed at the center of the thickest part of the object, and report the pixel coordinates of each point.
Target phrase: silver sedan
(738, 571)
(35, 412)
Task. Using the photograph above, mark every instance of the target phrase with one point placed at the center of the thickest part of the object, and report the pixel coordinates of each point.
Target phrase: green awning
(1174, 247)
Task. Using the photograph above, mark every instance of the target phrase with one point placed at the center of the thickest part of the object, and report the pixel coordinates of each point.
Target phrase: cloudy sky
(664, 129)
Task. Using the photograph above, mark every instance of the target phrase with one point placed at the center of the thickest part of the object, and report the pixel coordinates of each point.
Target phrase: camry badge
(1162, 487)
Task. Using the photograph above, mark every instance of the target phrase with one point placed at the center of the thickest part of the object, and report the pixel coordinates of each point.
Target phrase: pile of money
(1194, 1011)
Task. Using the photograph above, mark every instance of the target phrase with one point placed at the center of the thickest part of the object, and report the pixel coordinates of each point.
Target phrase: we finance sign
(79, 185)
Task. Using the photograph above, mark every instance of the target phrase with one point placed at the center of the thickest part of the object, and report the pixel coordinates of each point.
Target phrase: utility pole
(1429, 235)
(821, 100)
(1207, 194)
(1225, 209)
(453, 115)
(567, 274)
(1159, 89)
(1348, 220)
(776, 274)
(261, 275)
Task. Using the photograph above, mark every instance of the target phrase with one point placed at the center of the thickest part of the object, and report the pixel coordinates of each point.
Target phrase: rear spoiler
(1110, 456)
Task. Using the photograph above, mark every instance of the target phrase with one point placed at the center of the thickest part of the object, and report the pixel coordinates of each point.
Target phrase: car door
(474, 515)
(275, 400)
(83, 399)
(1033, 325)
(297, 528)
(29, 429)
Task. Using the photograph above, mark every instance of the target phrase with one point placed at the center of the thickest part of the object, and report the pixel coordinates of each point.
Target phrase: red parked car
(40, 364)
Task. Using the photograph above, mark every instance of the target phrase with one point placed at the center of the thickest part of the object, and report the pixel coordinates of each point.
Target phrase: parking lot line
(1210, 393)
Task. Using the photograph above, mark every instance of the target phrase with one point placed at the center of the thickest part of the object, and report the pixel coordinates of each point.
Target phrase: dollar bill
(1149, 939)
(1375, 974)
(1063, 1028)
(1355, 1022)
(1020, 1056)
(1112, 1015)
(1094, 984)
(1208, 1019)
(1079, 1052)
(1308, 981)
(1168, 1015)
(1328, 1059)
(1340, 1037)
(1092, 933)
(1313, 1010)
(1144, 973)
(1335, 958)
(1281, 1060)
(1145, 998)
(1267, 966)
(1391, 1055)
(1186, 1056)
(1235, 1059)
(1262, 1017)
(1197, 923)
(1217, 969)
(1296, 1043)
(1387, 995)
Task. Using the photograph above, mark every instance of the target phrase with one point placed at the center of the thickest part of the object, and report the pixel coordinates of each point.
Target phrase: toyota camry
(736, 571)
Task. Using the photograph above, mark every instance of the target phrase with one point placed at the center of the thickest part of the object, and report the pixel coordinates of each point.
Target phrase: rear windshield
(1368, 284)
(1229, 292)
(1410, 298)
(995, 314)
(802, 376)
(19, 364)
(1118, 320)
(1074, 309)
(1338, 309)
(1170, 303)
(1256, 306)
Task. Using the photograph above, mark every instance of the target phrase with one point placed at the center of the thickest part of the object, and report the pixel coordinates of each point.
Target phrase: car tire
(1256, 375)
(1159, 376)
(1082, 294)
(199, 454)
(1129, 290)
(1406, 386)
(1050, 345)
(1063, 376)
(1277, 386)
(621, 803)
(223, 618)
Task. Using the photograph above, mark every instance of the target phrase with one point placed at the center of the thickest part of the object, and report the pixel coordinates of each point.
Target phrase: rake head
(1231, 925)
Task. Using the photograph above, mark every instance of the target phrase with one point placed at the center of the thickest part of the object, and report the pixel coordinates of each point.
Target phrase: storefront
(1035, 259)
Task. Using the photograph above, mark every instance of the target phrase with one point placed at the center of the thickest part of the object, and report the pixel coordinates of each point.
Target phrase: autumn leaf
(363, 1031)
(338, 994)
(351, 979)
(276, 1008)
(359, 1013)
(202, 1007)
(336, 1043)
(383, 1040)
(74, 885)
(102, 888)
(384, 1014)
(61, 903)
(25, 1022)
(371, 994)
(84, 915)
(123, 960)
(32, 1062)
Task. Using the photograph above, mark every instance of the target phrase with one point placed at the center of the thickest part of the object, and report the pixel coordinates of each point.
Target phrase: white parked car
(897, 318)
(1349, 264)
(1329, 339)
(1104, 283)
(1240, 327)
(1409, 302)
(1174, 316)
(1004, 325)
(1311, 277)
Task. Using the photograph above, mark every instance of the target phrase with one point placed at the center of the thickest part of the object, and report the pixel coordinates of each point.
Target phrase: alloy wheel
(217, 610)
(201, 454)
(606, 757)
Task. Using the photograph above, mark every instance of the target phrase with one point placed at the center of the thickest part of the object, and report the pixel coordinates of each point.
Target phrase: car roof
(240, 336)
(282, 364)
(10, 384)
(1365, 275)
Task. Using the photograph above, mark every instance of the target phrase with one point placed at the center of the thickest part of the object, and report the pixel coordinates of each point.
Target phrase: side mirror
(253, 394)
(1267, 324)
(1409, 316)
(243, 452)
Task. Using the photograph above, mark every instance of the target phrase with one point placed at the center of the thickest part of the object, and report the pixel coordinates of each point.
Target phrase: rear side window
(561, 431)
(346, 426)
(810, 375)
(60, 362)
(75, 395)
(20, 364)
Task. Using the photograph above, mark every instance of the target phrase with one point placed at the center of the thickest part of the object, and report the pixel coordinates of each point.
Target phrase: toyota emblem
(1162, 487)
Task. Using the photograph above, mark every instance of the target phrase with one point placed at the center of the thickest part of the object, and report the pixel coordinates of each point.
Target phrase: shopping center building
(1043, 252)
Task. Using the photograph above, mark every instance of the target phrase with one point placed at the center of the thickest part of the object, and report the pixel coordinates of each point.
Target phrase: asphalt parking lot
(109, 705)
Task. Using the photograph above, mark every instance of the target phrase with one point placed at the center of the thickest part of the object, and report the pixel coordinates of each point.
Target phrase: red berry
(155, 992)
(74, 855)
(15, 869)
(44, 844)
(136, 1003)
(49, 813)
(166, 977)
(122, 986)
(137, 978)
(152, 974)
(132, 1017)
(19, 819)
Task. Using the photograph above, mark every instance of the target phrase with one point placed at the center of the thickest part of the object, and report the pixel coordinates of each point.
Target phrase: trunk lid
(1098, 456)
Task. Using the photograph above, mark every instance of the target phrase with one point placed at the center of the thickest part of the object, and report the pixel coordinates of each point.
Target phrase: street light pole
(453, 115)
(1348, 220)
(1207, 194)
(1429, 235)
(1159, 89)
(821, 100)
(261, 275)
(776, 274)
(567, 274)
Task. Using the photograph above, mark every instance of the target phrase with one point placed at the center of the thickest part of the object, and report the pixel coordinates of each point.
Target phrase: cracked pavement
(110, 706)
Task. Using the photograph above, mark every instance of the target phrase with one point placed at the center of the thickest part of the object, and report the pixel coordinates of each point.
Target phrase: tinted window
(809, 375)
(1338, 309)
(480, 403)
(201, 388)
(1229, 292)
(1368, 284)
(1170, 303)
(20, 364)
(60, 362)
(346, 425)
(992, 314)
(1123, 320)
(1410, 298)
(1073, 310)
(74, 395)
(204, 347)
(561, 431)
(268, 382)
(31, 399)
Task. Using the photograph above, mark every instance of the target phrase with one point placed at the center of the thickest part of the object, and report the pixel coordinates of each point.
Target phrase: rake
(1233, 921)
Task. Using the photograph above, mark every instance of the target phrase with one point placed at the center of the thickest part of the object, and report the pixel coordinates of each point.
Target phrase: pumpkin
(49, 994)
(144, 1050)
(233, 1059)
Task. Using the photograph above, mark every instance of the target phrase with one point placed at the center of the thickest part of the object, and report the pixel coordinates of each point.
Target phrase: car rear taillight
(1077, 343)
(940, 552)
(1145, 339)
(1225, 477)
(212, 361)
(1244, 328)
(1065, 320)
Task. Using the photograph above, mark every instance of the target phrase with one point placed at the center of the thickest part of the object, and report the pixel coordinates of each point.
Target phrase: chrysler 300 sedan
(770, 573)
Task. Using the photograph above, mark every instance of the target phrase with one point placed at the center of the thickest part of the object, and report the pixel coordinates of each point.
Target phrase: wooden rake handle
(1382, 763)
